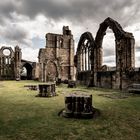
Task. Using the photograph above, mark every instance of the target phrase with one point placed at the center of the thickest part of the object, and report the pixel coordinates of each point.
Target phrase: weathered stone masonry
(10, 63)
(57, 59)
(99, 75)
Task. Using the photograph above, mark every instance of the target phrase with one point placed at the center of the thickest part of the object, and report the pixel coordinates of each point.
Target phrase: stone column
(82, 60)
(89, 65)
(17, 62)
(0, 67)
(57, 46)
(85, 59)
(71, 59)
(42, 72)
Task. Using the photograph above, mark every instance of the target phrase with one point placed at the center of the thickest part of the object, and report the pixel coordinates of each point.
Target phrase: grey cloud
(109, 61)
(79, 10)
(7, 7)
(76, 11)
(73, 10)
(14, 33)
(137, 48)
(108, 51)
(137, 58)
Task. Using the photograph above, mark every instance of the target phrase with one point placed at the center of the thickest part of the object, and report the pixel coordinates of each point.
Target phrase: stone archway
(27, 75)
(124, 45)
(125, 60)
(99, 75)
(84, 59)
(51, 71)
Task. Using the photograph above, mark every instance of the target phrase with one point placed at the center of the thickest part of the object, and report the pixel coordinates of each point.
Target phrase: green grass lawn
(26, 117)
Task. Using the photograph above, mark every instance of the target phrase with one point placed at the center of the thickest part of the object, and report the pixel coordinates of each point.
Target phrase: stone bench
(134, 88)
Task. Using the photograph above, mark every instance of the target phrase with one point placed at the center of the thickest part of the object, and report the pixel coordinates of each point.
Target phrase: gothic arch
(29, 70)
(51, 70)
(124, 45)
(84, 58)
(125, 59)
(85, 51)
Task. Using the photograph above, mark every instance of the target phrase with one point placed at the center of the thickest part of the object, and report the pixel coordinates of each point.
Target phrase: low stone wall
(83, 77)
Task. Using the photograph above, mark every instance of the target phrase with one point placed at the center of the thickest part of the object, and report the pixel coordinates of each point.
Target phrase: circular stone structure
(78, 106)
(6, 52)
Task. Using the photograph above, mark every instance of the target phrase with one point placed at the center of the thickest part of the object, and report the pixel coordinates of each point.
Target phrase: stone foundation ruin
(10, 63)
(89, 58)
(57, 59)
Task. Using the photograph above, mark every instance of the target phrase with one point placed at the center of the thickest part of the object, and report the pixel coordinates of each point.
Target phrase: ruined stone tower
(57, 59)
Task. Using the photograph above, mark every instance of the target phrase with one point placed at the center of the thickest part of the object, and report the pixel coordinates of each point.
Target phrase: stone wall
(57, 59)
(35, 71)
(90, 54)
(10, 63)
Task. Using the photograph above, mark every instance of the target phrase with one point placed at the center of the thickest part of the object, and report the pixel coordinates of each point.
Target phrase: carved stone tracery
(124, 45)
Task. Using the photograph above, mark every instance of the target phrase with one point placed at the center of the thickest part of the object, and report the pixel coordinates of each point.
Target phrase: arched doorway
(26, 72)
(109, 51)
(124, 45)
(51, 71)
(124, 52)
(99, 75)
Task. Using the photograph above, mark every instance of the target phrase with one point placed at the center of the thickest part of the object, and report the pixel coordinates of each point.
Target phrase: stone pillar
(82, 60)
(71, 59)
(80, 53)
(17, 62)
(0, 68)
(42, 74)
(79, 62)
(89, 64)
(57, 46)
(85, 59)
(45, 74)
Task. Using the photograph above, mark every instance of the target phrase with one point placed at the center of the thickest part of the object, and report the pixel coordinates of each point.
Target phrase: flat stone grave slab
(31, 87)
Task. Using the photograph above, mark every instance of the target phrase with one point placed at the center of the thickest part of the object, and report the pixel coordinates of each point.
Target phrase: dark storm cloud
(14, 33)
(80, 10)
(6, 8)
(73, 10)
(76, 11)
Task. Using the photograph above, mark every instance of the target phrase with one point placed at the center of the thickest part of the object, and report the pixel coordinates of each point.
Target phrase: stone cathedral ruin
(89, 58)
(57, 61)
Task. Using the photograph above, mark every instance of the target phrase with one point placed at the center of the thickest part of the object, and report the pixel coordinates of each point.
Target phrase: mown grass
(26, 117)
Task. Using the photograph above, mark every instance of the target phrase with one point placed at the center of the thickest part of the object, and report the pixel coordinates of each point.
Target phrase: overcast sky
(25, 22)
